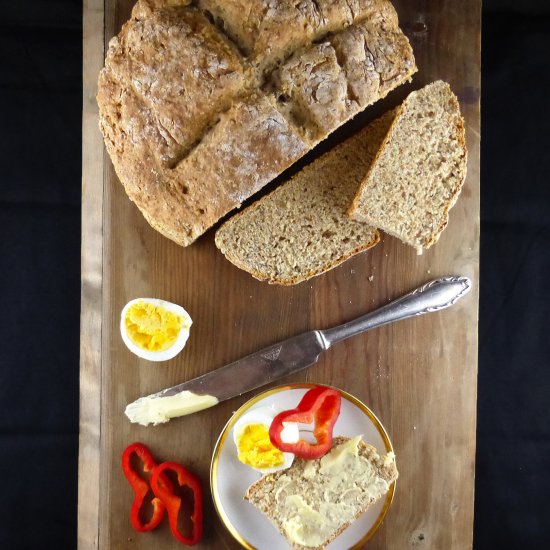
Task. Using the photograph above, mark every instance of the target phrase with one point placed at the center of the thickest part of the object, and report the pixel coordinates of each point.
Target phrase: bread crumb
(428, 271)
(371, 278)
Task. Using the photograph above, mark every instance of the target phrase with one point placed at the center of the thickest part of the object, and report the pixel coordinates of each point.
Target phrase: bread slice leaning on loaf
(314, 501)
(202, 104)
(301, 229)
(419, 171)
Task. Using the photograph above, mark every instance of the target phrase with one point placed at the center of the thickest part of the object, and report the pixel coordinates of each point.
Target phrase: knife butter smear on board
(155, 409)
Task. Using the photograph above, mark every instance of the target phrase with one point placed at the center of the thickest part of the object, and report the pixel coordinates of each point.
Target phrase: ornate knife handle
(432, 296)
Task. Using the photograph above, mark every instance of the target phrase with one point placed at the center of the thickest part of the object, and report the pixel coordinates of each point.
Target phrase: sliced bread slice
(313, 501)
(301, 229)
(419, 171)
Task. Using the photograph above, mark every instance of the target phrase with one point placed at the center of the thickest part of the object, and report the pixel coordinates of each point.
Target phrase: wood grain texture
(418, 376)
(93, 163)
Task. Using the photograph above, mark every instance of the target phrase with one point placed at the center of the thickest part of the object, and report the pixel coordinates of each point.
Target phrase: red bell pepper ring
(172, 502)
(141, 487)
(320, 405)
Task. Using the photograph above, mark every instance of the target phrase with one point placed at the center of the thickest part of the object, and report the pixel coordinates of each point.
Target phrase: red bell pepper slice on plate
(321, 406)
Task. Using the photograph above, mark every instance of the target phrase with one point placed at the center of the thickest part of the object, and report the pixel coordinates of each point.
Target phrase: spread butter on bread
(313, 501)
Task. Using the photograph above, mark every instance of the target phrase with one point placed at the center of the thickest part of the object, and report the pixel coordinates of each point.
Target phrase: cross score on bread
(203, 104)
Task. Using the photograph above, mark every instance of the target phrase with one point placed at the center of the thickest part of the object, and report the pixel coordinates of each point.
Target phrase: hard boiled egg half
(254, 448)
(154, 329)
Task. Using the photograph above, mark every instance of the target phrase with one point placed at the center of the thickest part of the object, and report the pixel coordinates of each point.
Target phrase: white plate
(229, 478)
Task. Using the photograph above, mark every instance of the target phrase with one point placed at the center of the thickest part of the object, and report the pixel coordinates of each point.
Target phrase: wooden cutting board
(418, 376)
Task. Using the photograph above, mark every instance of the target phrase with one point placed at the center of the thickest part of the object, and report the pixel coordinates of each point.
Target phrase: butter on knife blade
(287, 357)
(155, 409)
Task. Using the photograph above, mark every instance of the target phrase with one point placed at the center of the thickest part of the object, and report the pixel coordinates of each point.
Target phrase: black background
(40, 183)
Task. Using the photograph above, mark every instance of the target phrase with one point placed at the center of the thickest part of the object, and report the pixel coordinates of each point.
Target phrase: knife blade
(287, 357)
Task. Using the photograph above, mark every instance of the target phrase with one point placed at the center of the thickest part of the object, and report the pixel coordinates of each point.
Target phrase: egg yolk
(152, 327)
(255, 447)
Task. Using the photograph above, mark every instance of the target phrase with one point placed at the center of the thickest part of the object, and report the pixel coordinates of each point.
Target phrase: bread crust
(194, 127)
(235, 260)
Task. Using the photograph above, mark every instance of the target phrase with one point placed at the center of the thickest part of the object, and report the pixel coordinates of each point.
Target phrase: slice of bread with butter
(313, 501)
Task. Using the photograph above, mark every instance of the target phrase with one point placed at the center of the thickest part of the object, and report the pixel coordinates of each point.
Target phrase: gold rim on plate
(227, 430)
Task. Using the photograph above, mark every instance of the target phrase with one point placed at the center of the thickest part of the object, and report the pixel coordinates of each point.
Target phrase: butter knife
(287, 357)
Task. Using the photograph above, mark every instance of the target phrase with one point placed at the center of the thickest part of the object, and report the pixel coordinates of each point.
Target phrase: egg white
(162, 355)
(265, 416)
